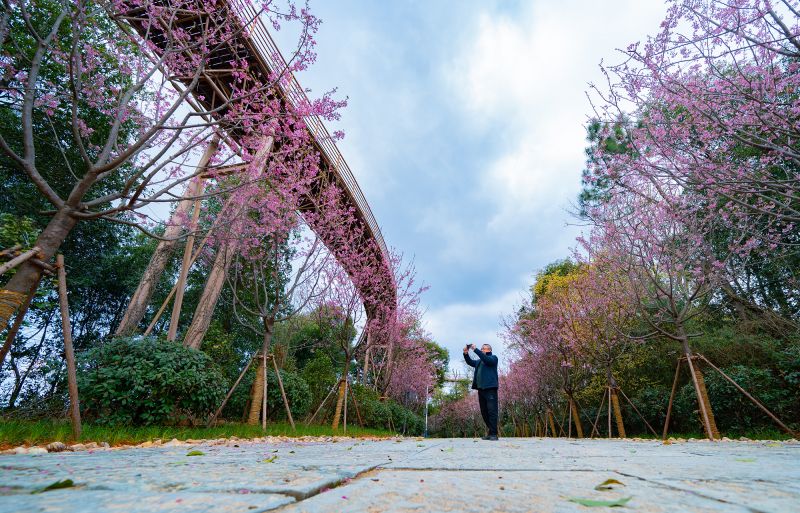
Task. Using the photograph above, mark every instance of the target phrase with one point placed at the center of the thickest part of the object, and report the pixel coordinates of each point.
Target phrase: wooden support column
(69, 354)
(216, 278)
(196, 190)
(161, 256)
(208, 300)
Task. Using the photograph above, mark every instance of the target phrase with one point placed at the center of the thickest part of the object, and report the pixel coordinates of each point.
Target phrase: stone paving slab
(428, 491)
(409, 475)
(70, 501)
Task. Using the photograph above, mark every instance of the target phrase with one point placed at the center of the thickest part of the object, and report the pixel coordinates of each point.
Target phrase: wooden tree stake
(672, 398)
(69, 354)
(283, 394)
(230, 393)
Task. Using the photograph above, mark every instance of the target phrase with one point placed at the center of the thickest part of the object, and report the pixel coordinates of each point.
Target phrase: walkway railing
(272, 58)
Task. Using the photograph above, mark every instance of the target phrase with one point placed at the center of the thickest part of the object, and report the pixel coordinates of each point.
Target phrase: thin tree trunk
(706, 415)
(552, 423)
(342, 389)
(618, 413)
(576, 417)
(613, 397)
(28, 274)
(257, 395)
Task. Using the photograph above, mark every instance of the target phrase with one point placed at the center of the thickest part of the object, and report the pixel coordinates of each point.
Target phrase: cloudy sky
(465, 130)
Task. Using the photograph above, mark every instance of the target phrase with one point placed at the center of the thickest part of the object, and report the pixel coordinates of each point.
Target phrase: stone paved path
(459, 475)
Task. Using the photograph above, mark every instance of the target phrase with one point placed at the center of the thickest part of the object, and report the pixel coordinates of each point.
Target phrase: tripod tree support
(753, 399)
(69, 353)
(672, 398)
(283, 393)
(330, 393)
(213, 418)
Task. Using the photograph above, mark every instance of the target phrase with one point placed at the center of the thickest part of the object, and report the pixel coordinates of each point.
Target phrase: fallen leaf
(195, 453)
(271, 459)
(66, 483)
(608, 484)
(593, 503)
(746, 460)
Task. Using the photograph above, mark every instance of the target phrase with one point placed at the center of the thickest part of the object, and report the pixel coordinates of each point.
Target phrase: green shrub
(320, 376)
(386, 414)
(733, 412)
(298, 394)
(147, 381)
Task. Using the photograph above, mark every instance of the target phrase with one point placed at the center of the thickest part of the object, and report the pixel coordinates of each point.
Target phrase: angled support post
(69, 353)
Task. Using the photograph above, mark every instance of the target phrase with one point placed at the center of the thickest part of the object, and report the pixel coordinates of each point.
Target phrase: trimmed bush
(147, 381)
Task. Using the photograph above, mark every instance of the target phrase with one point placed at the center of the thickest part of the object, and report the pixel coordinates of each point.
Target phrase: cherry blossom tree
(186, 88)
(710, 105)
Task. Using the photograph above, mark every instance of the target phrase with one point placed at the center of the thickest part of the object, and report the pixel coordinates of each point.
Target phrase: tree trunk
(552, 423)
(257, 392)
(704, 405)
(618, 413)
(613, 397)
(28, 273)
(576, 417)
(340, 400)
(208, 300)
(12, 333)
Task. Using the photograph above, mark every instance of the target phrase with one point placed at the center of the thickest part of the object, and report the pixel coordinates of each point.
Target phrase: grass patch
(23, 432)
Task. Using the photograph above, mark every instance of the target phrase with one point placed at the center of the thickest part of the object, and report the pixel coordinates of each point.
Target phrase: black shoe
(490, 437)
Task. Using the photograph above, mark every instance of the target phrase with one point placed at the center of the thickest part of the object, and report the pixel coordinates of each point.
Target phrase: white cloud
(457, 324)
(525, 77)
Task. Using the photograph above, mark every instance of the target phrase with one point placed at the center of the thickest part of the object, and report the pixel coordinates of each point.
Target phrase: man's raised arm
(488, 359)
(470, 361)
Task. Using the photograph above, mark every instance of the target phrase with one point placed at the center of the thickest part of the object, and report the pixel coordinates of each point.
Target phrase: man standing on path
(485, 382)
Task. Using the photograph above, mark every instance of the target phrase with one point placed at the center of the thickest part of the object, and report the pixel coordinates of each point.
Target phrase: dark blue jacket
(485, 370)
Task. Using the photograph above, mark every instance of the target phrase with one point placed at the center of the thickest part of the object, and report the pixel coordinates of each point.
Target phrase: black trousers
(487, 398)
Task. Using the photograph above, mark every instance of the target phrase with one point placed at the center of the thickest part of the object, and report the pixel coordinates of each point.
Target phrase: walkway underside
(213, 90)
